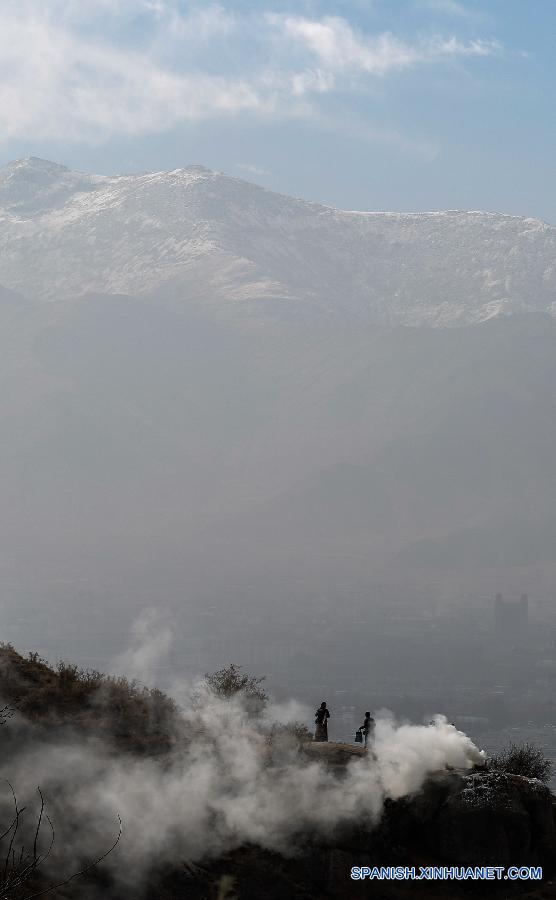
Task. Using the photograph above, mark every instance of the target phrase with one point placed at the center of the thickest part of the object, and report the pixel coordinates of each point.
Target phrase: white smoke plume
(223, 785)
(222, 790)
(151, 639)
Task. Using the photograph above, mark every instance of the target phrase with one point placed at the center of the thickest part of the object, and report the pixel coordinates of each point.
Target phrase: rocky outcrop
(460, 819)
(495, 819)
(473, 818)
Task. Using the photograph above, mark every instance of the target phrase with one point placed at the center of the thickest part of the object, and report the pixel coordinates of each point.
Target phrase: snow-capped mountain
(200, 236)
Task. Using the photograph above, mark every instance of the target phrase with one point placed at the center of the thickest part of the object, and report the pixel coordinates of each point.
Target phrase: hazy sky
(369, 104)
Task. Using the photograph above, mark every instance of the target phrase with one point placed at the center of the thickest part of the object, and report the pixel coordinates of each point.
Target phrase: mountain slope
(202, 237)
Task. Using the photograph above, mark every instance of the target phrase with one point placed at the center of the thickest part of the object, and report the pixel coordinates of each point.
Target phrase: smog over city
(277, 449)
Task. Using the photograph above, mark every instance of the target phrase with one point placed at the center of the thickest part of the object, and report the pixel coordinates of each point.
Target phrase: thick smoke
(223, 790)
(225, 785)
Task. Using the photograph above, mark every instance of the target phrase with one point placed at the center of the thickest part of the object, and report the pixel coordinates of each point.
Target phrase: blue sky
(363, 104)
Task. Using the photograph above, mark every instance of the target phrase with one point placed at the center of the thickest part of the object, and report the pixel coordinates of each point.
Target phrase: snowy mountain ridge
(205, 238)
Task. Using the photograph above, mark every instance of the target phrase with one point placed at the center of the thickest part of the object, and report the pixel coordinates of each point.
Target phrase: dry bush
(525, 759)
(231, 682)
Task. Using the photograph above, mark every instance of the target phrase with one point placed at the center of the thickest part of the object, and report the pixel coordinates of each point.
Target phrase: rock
(493, 818)
(458, 818)
(333, 754)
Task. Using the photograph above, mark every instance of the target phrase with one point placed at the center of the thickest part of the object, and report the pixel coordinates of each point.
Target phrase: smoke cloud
(224, 787)
(150, 643)
(224, 783)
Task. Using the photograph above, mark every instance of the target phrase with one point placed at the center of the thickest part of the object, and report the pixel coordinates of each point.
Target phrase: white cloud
(91, 69)
(311, 81)
(57, 84)
(453, 47)
(339, 48)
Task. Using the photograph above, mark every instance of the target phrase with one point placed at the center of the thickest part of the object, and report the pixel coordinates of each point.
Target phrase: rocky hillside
(51, 702)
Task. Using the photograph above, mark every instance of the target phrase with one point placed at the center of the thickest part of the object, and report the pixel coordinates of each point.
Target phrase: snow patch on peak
(33, 163)
(32, 185)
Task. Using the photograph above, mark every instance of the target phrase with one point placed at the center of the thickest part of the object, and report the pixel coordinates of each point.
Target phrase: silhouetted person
(321, 716)
(368, 728)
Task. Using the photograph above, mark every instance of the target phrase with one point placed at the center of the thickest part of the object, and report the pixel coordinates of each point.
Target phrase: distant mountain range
(202, 237)
(237, 391)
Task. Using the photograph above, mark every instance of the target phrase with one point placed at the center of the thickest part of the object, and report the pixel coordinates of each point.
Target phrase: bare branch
(81, 872)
